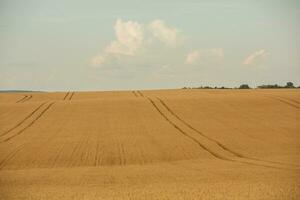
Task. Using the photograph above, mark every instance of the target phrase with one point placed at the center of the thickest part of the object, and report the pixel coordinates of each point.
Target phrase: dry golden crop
(163, 144)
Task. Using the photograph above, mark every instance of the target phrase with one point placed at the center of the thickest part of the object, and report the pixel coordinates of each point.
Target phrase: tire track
(21, 99)
(29, 125)
(140, 93)
(213, 153)
(77, 146)
(96, 159)
(199, 132)
(292, 100)
(216, 155)
(121, 152)
(119, 156)
(78, 152)
(21, 122)
(10, 156)
(59, 153)
(26, 99)
(134, 94)
(66, 95)
(85, 153)
(71, 96)
(285, 102)
(234, 153)
(239, 155)
(82, 154)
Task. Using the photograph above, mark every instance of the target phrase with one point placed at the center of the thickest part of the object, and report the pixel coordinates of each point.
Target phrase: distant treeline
(246, 86)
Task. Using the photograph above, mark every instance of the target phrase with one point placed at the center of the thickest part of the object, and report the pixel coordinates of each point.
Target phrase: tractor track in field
(236, 157)
(285, 101)
(26, 99)
(70, 164)
(122, 153)
(67, 94)
(119, 153)
(199, 132)
(292, 100)
(216, 155)
(30, 124)
(10, 156)
(58, 154)
(76, 150)
(239, 155)
(140, 93)
(22, 99)
(21, 122)
(71, 96)
(97, 161)
(134, 93)
(84, 153)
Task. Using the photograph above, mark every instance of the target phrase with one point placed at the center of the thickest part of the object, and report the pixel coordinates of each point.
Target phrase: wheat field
(156, 144)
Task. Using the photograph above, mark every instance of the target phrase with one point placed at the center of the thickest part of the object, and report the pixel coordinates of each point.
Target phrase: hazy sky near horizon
(59, 45)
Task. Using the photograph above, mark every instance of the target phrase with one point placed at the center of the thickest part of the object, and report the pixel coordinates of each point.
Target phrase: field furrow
(26, 99)
(238, 155)
(21, 122)
(20, 131)
(67, 94)
(71, 96)
(23, 98)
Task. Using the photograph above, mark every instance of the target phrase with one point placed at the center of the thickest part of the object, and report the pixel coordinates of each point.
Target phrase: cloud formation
(132, 37)
(167, 35)
(204, 56)
(256, 58)
(129, 38)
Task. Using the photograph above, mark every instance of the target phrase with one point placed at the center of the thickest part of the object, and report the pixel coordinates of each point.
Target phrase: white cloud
(169, 36)
(132, 38)
(202, 56)
(129, 38)
(256, 58)
(138, 44)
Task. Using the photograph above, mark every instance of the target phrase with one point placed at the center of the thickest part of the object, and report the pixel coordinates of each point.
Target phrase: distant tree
(244, 86)
(269, 86)
(290, 85)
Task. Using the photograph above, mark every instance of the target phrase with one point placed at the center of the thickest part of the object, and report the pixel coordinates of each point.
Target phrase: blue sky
(114, 45)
